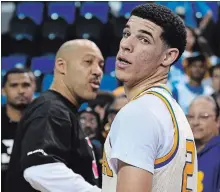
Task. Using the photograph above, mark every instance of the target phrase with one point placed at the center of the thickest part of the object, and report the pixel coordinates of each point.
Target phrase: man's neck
(143, 85)
(13, 114)
(201, 143)
(199, 146)
(65, 92)
(195, 83)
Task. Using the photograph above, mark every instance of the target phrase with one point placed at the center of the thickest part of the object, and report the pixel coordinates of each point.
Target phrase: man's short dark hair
(196, 58)
(174, 33)
(13, 71)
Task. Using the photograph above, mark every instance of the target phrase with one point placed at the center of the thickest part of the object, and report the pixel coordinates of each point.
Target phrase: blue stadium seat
(47, 81)
(54, 29)
(32, 10)
(127, 7)
(3, 100)
(65, 10)
(108, 83)
(13, 61)
(97, 9)
(44, 64)
(89, 29)
(22, 35)
(53, 35)
(110, 64)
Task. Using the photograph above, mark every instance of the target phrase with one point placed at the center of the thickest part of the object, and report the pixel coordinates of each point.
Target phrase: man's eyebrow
(13, 83)
(142, 31)
(147, 33)
(93, 56)
(127, 26)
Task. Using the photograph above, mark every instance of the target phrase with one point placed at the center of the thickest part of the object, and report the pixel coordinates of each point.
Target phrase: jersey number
(189, 166)
(200, 180)
(6, 156)
(105, 167)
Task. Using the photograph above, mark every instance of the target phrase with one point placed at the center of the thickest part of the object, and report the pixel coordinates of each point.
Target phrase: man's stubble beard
(19, 107)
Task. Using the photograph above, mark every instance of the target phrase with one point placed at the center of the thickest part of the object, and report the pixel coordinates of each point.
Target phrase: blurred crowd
(195, 74)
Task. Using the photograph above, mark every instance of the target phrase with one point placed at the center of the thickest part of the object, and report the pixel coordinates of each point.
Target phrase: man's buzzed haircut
(174, 32)
(13, 71)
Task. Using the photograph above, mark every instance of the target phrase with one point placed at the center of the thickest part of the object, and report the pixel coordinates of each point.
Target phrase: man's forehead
(87, 114)
(203, 105)
(92, 52)
(18, 76)
(144, 23)
(198, 62)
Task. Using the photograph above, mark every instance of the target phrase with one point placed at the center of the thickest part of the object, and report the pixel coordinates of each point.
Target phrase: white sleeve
(134, 138)
(56, 177)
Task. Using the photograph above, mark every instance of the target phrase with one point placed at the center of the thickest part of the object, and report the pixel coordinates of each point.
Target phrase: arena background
(33, 31)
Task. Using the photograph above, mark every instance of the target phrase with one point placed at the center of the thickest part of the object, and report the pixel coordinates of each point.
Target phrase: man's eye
(144, 40)
(126, 34)
(26, 85)
(89, 61)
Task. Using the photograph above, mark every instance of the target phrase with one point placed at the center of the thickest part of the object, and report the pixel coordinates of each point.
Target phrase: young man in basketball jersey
(150, 147)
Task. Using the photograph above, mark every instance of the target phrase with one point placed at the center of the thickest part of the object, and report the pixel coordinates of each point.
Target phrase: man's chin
(91, 96)
(120, 76)
(198, 137)
(19, 106)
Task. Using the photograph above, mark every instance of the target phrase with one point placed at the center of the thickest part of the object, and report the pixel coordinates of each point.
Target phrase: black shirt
(8, 131)
(48, 133)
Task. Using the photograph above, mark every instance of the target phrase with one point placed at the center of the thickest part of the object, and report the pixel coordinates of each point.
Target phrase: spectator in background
(102, 101)
(189, 10)
(215, 75)
(18, 89)
(90, 123)
(119, 102)
(177, 73)
(119, 91)
(192, 43)
(196, 69)
(203, 117)
(193, 48)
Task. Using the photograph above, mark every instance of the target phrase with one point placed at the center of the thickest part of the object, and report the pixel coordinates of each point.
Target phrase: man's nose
(97, 70)
(21, 90)
(127, 44)
(195, 121)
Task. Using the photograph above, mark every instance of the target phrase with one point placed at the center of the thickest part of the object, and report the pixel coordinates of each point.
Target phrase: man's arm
(45, 149)
(132, 179)
(207, 16)
(57, 177)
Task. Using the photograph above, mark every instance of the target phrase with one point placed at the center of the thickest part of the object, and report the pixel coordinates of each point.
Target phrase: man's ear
(61, 66)
(170, 56)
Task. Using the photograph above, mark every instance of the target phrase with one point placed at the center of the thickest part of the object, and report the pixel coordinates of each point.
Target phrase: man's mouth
(197, 130)
(21, 98)
(95, 84)
(122, 62)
